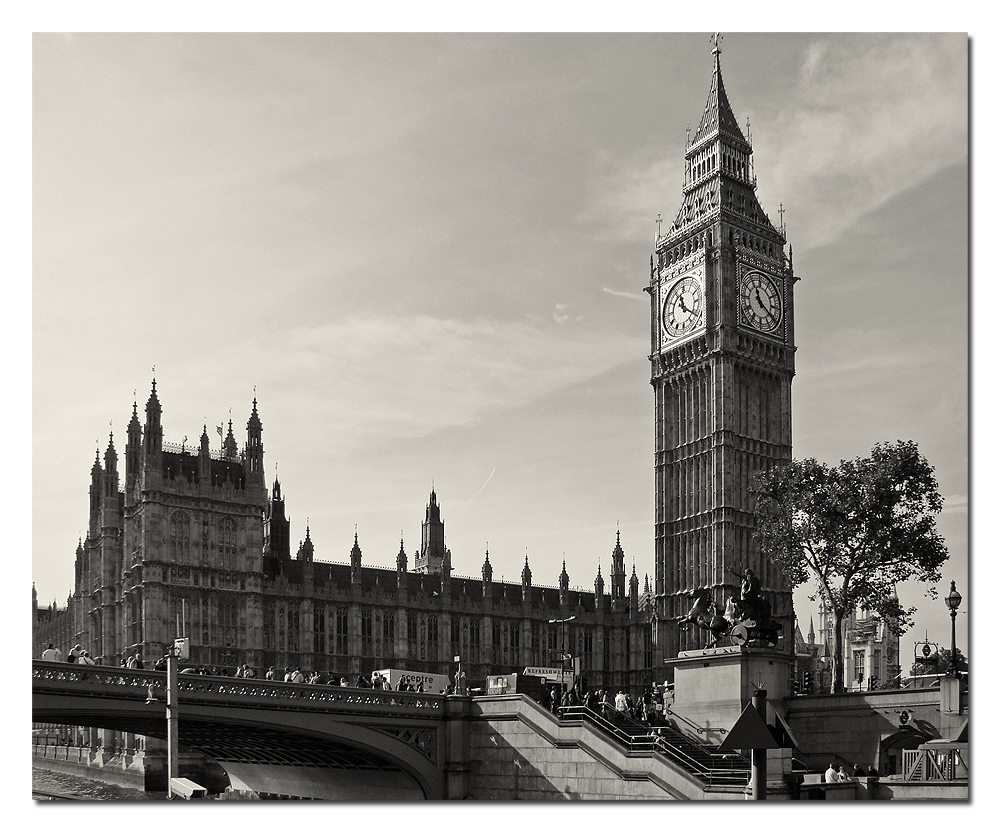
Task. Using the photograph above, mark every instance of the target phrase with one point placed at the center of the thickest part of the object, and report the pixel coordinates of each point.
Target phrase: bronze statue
(704, 614)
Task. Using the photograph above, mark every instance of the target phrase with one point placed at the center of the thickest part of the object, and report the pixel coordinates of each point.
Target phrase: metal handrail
(686, 721)
(736, 771)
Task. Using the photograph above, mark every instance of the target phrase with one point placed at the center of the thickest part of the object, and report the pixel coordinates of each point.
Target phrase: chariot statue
(747, 616)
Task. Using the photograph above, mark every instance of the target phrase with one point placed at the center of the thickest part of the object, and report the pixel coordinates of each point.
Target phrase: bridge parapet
(94, 680)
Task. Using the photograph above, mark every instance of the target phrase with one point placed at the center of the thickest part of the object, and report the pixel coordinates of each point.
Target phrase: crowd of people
(840, 774)
(76, 654)
(647, 708)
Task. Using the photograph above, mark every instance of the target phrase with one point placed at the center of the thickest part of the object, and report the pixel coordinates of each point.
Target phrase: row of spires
(307, 549)
(149, 439)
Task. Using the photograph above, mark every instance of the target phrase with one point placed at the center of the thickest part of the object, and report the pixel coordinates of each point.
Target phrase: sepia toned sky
(425, 255)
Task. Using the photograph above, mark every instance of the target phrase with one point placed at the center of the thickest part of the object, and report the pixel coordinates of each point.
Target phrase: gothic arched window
(180, 537)
(227, 543)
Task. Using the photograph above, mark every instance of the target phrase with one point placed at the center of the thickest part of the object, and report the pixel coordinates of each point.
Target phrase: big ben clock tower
(723, 357)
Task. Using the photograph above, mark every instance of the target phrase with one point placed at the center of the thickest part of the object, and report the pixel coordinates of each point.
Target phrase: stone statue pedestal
(712, 686)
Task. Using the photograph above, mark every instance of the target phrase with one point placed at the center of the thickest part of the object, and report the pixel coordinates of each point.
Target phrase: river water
(58, 782)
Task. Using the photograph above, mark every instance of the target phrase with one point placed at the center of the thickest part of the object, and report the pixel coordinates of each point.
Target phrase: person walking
(270, 674)
(74, 654)
(831, 775)
(621, 704)
(51, 654)
(85, 658)
(297, 675)
(607, 706)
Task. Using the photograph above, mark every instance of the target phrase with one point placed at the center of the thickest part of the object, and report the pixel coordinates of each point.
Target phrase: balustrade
(191, 686)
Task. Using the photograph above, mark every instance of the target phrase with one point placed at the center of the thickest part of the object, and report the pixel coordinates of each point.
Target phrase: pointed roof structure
(718, 116)
(718, 173)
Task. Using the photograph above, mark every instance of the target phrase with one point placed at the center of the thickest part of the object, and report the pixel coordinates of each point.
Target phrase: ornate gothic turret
(152, 434)
(230, 450)
(431, 555)
(487, 573)
(253, 457)
(204, 457)
(525, 579)
(111, 471)
(305, 552)
(401, 557)
(96, 490)
(617, 573)
(599, 587)
(563, 586)
(633, 592)
(446, 568)
(355, 561)
(277, 526)
(133, 454)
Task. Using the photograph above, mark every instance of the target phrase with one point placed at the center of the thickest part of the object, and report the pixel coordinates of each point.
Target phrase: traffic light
(807, 682)
(796, 687)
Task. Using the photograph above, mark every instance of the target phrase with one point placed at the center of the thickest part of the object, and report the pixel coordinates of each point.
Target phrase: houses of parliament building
(194, 541)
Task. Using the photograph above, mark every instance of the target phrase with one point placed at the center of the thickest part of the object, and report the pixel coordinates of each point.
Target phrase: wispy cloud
(868, 118)
(618, 293)
(956, 504)
(400, 376)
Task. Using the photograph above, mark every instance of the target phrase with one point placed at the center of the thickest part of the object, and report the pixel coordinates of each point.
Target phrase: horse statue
(704, 614)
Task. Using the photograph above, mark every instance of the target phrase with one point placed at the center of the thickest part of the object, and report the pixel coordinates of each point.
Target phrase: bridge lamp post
(562, 651)
(178, 650)
(173, 765)
(953, 601)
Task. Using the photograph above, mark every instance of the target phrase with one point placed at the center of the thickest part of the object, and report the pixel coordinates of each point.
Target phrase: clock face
(683, 307)
(760, 302)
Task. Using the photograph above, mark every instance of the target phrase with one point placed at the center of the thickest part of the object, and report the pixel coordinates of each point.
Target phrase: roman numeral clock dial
(683, 307)
(760, 302)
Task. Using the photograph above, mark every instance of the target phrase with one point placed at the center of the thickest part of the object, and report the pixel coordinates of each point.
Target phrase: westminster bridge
(357, 743)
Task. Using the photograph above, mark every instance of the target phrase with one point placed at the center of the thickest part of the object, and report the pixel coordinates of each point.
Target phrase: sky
(424, 255)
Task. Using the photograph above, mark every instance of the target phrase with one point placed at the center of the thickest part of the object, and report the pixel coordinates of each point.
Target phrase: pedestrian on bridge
(85, 658)
(297, 675)
(621, 704)
(52, 654)
(270, 674)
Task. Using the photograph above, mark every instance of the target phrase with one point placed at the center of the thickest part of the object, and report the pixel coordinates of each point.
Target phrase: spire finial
(716, 38)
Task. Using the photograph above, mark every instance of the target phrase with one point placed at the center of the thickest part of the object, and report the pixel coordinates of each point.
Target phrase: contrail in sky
(480, 491)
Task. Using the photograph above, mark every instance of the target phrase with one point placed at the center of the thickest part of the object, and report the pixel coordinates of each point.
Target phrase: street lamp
(563, 648)
(953, 601)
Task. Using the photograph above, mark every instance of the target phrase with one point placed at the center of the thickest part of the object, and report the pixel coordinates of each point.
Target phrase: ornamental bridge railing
(120, 683)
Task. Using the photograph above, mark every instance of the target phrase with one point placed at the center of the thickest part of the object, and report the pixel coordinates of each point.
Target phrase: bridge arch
(321, 741)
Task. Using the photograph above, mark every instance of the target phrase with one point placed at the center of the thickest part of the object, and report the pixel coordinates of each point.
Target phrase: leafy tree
(855, 531)
(941, 663)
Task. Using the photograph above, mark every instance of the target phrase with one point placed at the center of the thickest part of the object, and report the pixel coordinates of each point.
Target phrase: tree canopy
(855, 531)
